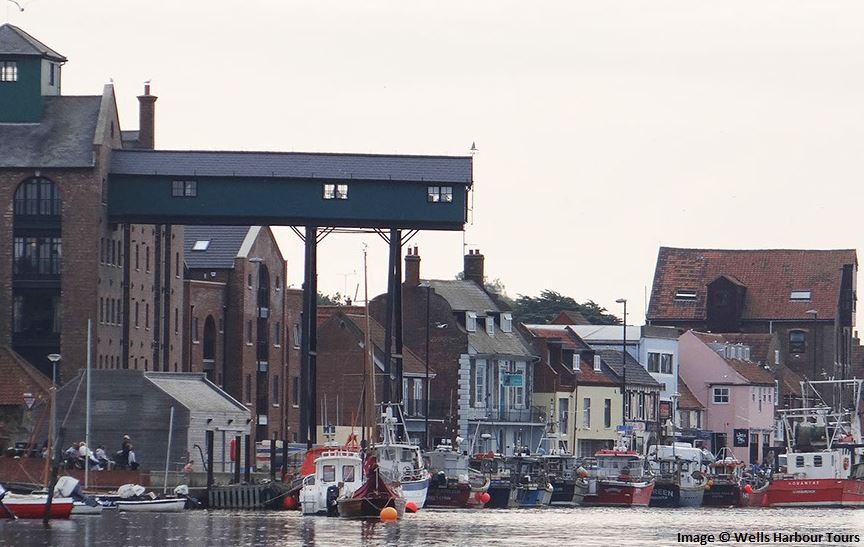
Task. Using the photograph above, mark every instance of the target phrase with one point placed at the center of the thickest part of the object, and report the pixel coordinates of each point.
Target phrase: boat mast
(368, 362)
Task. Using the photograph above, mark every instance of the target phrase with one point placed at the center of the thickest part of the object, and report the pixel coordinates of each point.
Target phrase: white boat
(401, 464)
(338, 473)
(82, 508)
(680, 475)
(169, 505)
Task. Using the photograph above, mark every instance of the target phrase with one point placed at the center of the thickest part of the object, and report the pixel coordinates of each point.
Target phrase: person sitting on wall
(102, 458)
(121, 458)
(131, 459)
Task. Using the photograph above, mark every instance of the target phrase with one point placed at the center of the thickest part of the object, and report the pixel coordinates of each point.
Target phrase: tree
(542, 309)
(333, 300)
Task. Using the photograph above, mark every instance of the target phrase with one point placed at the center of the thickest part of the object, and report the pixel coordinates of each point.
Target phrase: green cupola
(29, 70)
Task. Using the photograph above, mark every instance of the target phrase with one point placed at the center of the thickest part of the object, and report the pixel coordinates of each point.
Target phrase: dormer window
(490, 325)
(506, 322)
(685, 295)
(799, 296)
(8, 71)
(576, 360)
(471, 321)
(597, 362)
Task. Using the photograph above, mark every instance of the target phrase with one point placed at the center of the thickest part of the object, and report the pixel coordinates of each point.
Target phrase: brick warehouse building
(66, 263)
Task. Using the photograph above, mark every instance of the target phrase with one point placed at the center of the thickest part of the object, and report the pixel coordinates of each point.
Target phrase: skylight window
(685, 294)
(201, 245)
(799, 296)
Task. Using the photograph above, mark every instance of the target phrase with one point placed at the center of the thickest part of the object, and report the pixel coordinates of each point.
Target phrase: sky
(605, 129)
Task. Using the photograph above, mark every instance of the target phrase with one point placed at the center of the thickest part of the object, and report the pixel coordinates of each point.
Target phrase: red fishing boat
(619, 478)
(824, 463)
(730, 486)
(372, 497)
(454, 484)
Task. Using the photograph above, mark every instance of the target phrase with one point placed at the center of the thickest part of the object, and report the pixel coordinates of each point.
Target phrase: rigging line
(72, 404)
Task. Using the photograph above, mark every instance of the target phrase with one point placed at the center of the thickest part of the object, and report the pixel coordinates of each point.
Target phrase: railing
(534, 414)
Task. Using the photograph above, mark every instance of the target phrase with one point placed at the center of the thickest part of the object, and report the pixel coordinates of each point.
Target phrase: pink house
(737, 393)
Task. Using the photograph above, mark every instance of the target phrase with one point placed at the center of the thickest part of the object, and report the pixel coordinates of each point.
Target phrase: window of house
(586, 412)
(249, 281)
(666, 363)
(295, 334)
(685, 294)
(184, 188)
(176, 321)
(194, 329)
(519, 386)
(439, 194)
(797, 341)
(147, 315)
(653, 362)
(295, 391)
(147, 259)
(37, 196)
(137, 323)
(8, 71)
(480, 384)
(471, 321)
(276, 390)
(278, 283)
(490, 325)
(335, 191)
(721, 395)
(800, 296)
(249, 331)
(597, 363)
(506, 322)
(641, 408)
(248, 390)
(607, 413)
(201, 245)
(563, 414)
(277, 334)
(137, 258)
(51, 68)
(577, 359)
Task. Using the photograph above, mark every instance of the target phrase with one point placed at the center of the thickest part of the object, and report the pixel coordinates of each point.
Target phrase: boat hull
(81, 508)
(369, 507)
(499, 494)
(722, 495)
(526, 497)
(148, 506)
(673, 495)
(34, 508)
(620, 494)
(814, 493)
(457, 495)
(568, 493)
(415, 491)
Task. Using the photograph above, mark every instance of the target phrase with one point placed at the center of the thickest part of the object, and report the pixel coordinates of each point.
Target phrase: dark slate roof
(64, 138)
(768, 275)
(501, 343)
(445, 169)
(14, 41)
(225, 241)
(193, 391)
(635, 373)
(463, 295)
(568, 338)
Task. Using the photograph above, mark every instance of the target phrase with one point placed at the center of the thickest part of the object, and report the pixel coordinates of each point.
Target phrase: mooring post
(284, 458)
(209, 441)
(237, 445)
(273, 458)
(247, 471)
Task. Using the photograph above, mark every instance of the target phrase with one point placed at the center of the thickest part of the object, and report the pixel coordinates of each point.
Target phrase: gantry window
(8, 71)
(184, 188)
(439, 194)
(335, 191)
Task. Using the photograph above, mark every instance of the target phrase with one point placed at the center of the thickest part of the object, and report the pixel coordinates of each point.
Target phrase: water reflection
(583, 526)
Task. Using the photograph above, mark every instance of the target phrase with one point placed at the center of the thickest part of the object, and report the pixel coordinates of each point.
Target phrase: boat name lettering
(803, 483)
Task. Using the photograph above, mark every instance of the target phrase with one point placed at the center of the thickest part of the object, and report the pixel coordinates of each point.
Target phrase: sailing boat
(401, 463)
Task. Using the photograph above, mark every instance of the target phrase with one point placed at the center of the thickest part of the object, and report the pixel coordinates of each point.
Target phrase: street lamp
(814, 315)
(54, 358)
(623, 363)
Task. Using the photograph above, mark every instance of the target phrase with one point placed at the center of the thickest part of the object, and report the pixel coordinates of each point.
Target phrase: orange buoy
(411, 507)
(389, 513)
(485, 497)
(289, 502)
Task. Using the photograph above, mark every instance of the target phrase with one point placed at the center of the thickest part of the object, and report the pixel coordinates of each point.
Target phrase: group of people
(79, 455)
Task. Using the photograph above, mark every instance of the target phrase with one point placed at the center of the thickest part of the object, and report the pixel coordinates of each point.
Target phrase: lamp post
(623, 363)
(54, 358)
(814, 314)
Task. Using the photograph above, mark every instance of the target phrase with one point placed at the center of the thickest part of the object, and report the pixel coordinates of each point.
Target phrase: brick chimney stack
(473, 269)
(147, 118)
(412, 267)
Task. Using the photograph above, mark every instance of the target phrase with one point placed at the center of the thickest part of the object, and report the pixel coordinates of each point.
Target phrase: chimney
(147, 118)
(473, 269)
(412, 267)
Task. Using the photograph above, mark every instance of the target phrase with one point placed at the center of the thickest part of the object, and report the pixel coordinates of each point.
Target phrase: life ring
(845, 463)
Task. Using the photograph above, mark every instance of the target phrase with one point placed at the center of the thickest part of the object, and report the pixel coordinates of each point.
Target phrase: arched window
(37, 196)
(209, 345)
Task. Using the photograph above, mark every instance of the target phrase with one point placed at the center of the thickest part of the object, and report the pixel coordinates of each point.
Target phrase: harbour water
(548, 527)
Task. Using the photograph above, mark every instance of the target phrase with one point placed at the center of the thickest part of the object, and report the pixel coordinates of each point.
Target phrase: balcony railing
(534, 414)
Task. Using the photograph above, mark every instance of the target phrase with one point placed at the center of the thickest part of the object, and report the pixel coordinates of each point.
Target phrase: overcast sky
(605, 129)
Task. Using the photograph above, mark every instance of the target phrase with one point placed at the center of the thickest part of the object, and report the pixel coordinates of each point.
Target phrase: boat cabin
(619, 464)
